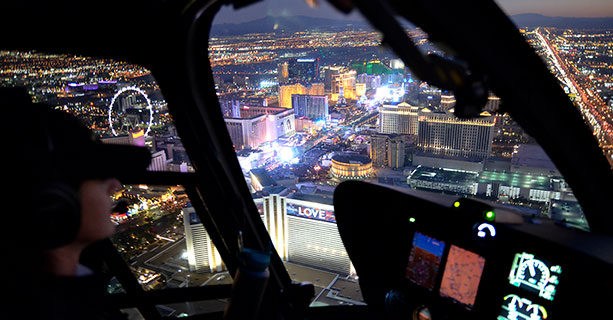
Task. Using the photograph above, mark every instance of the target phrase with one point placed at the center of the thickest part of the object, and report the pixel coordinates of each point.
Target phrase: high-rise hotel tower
(443, 133)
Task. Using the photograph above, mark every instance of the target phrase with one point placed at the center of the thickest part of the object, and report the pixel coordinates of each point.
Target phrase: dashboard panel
(453, 258)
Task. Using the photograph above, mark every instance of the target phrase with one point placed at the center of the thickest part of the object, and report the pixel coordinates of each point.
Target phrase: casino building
(202, 255)
(351, 166)
(303, 228)
(301, 225)
(262, 124)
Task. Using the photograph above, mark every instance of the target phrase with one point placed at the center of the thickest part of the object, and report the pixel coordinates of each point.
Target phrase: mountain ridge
(291, 24)
(539, 20)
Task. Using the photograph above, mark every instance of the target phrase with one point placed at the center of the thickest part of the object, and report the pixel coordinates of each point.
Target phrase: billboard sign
(310, 212)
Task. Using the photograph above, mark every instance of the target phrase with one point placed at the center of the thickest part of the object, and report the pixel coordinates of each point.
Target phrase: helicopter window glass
(579, 54)
(311, 98)
(120, 102)
(162, 239)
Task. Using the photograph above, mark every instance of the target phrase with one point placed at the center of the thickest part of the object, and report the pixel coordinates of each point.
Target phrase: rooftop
(351, 158)
(263, 177)
(532, 155)
(516, 179)
(444, 175)
(315, 197)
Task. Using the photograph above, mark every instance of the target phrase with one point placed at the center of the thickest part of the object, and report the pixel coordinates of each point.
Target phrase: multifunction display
(425, 260)
(462, 275)
(515, 307)
(535, 275)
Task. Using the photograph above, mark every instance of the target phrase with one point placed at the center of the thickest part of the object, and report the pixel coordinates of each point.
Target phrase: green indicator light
(411, 219)
(490, 215)
(456, 204)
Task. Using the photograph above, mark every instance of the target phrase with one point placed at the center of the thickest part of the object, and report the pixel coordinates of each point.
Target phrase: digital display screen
(462, 275)
(424, 260)
(517, 308)
(535, 275)
(309, 212)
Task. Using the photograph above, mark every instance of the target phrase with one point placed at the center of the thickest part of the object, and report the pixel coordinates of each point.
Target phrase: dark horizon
(589, 9)
(357, 18)
(301, 22)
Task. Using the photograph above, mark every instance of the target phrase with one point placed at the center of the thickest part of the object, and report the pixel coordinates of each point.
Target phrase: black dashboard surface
(459, 261)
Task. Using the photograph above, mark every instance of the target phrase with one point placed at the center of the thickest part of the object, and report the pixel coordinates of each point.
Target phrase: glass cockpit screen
(462, 275)
(535, 275)
(515, 307)
(424, 260)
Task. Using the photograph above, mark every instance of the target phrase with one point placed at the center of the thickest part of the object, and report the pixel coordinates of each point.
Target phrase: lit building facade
(447, 101)
(310, 106)
(247, 133)
(371, 81)
(443, 133)
(378, 150)
(304, 230)
(387, 151)
(398, 119)
(286, 92)
(330, 75)
(283, 72)
(250, 111)
(395, 153)
(493, 103)
(351, 166)
(158, 161)
(304, 70)
(201, 253)
(252, 132)
(132, 139)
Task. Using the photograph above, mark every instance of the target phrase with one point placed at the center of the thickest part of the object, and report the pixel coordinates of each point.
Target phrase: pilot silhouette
(72, 176)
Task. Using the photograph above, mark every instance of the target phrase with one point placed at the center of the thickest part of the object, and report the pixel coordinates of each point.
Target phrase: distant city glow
(387, 93)
(268, 84)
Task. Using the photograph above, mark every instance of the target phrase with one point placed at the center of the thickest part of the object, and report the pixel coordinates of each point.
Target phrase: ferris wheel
(127, 122)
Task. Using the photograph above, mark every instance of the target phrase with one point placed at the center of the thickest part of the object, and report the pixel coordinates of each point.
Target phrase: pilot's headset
(58, 208)
(63, 153)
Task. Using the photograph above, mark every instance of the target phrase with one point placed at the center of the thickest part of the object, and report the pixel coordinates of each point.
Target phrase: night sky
(554, 8)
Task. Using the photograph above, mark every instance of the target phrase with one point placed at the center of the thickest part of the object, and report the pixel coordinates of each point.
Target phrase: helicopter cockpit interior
(367, 248)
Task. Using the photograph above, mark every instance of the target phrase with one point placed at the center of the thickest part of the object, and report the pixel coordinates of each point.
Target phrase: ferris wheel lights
(141, 92)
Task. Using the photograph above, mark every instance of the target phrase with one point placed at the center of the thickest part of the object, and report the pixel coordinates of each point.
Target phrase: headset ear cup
(59, 215)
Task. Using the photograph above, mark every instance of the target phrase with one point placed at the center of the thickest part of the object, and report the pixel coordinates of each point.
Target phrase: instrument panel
(458, 261)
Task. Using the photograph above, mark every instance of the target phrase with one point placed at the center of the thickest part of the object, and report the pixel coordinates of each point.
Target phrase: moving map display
(462, 275)
(424, 260)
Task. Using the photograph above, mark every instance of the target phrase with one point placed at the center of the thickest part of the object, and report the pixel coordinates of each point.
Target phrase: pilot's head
(74, 175)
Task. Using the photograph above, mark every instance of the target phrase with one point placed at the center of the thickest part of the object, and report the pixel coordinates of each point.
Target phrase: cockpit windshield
(312, 97)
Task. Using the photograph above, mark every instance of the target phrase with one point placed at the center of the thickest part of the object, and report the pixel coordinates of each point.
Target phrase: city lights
(306, 111)
(286, 154)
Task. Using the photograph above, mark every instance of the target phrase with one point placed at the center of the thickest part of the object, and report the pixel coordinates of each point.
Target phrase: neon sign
(309, 212)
